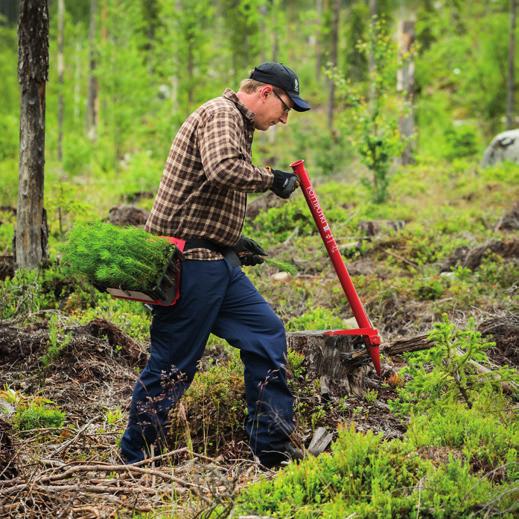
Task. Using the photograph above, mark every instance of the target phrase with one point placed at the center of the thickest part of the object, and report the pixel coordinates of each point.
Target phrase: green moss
(38, 416)
(315, 319)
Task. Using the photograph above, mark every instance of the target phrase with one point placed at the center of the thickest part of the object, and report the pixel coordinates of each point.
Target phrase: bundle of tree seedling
(126, 258)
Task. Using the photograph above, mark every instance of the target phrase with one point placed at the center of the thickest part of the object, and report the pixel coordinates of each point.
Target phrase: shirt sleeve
(224, 162)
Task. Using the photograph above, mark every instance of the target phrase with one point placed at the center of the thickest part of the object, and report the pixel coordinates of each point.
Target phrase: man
(202, 199)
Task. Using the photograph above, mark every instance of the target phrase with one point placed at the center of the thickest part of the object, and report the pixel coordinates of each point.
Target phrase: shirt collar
(231, 95)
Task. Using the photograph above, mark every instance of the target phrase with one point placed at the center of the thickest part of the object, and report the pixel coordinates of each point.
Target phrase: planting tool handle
(361, 317)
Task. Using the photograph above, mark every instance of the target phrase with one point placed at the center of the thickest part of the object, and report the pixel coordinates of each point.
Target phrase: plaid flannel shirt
(208, 173)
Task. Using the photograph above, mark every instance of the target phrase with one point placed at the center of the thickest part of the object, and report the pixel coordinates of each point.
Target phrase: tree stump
(339, 362)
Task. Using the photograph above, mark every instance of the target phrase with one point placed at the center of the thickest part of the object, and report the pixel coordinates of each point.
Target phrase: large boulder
(127, 215)
(505, 146)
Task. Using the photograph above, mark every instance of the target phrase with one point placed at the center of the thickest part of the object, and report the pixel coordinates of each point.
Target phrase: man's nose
(284, 118)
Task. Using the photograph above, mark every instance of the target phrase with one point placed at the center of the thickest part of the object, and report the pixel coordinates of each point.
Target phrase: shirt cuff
(270, 176)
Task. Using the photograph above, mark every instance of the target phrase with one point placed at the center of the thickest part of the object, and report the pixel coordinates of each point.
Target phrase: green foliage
(463, 142)
(115, 256)
(453, 461)
(295, 217)
(429, 288)
(212, 410)
(129, 90)
(374, 121)
(114, 417)
(7, 220)
(242, 24)
(283, 266)
(64, 204)
(487, 438)
(130, 316)
(334, 153)
(77, 155)
(21, 294)
(444, 373)
(295, 363)
(366, 477)
(8, 137)
(38, 416)
(30, 291)
(356, 63)
(58, 341)
(463, 53)
(317, 318)
(8, 182)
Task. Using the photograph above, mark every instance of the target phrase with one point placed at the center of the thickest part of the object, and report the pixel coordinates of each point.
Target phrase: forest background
(429, 235)
(132, 71)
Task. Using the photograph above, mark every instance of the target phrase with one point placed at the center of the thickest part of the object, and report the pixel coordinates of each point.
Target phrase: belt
(201, 243)
(227, 252)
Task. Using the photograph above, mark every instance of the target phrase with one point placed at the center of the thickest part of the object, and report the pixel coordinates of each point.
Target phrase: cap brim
(299, 104)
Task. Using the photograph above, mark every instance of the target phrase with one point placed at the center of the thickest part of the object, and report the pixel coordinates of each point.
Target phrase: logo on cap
(296, 85)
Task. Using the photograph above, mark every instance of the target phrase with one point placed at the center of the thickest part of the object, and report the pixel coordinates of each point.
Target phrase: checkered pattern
(208, 173)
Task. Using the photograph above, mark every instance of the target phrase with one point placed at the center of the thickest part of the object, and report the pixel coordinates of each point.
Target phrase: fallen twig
(68, 443)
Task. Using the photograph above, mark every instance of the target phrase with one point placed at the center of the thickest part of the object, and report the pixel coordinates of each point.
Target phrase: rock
(504, 146)
(281, 276)
(6, 409)
(371, 228)
(127, 215)
(510, 220)
(320, 441)
(350, 249)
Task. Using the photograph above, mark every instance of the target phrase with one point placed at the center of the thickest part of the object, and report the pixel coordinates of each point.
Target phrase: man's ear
(265, 91)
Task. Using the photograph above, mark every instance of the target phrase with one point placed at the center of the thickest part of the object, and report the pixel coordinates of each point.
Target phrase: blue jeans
(217, 298)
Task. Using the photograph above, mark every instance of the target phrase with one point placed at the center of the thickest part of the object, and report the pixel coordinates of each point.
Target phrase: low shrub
(31, 290)
(58, 341)
(365, 477)
(486, 441)
(444, 373)
(211, 413)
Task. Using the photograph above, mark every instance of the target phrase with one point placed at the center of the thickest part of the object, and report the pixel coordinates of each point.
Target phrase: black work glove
(284, 183)
(249, 252)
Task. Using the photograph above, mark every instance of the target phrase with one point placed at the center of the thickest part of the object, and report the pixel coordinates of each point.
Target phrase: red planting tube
(371, 337)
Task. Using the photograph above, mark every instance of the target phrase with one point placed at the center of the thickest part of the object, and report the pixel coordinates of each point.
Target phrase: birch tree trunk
(336, 6)
(511, 69)
(77, 82)
(405, 85)
(372, 63)
(318, 38)
(61, 69)
(33, 67)
(92, 106)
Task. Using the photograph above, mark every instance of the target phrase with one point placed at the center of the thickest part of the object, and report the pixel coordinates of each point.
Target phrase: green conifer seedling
(112, 256)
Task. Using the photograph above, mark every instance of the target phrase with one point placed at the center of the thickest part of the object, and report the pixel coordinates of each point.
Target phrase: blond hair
(249, 86)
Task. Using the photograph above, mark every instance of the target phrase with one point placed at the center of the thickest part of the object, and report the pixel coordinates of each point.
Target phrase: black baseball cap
(283, 77)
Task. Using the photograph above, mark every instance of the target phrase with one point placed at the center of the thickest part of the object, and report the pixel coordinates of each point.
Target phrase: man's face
(273, 108)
